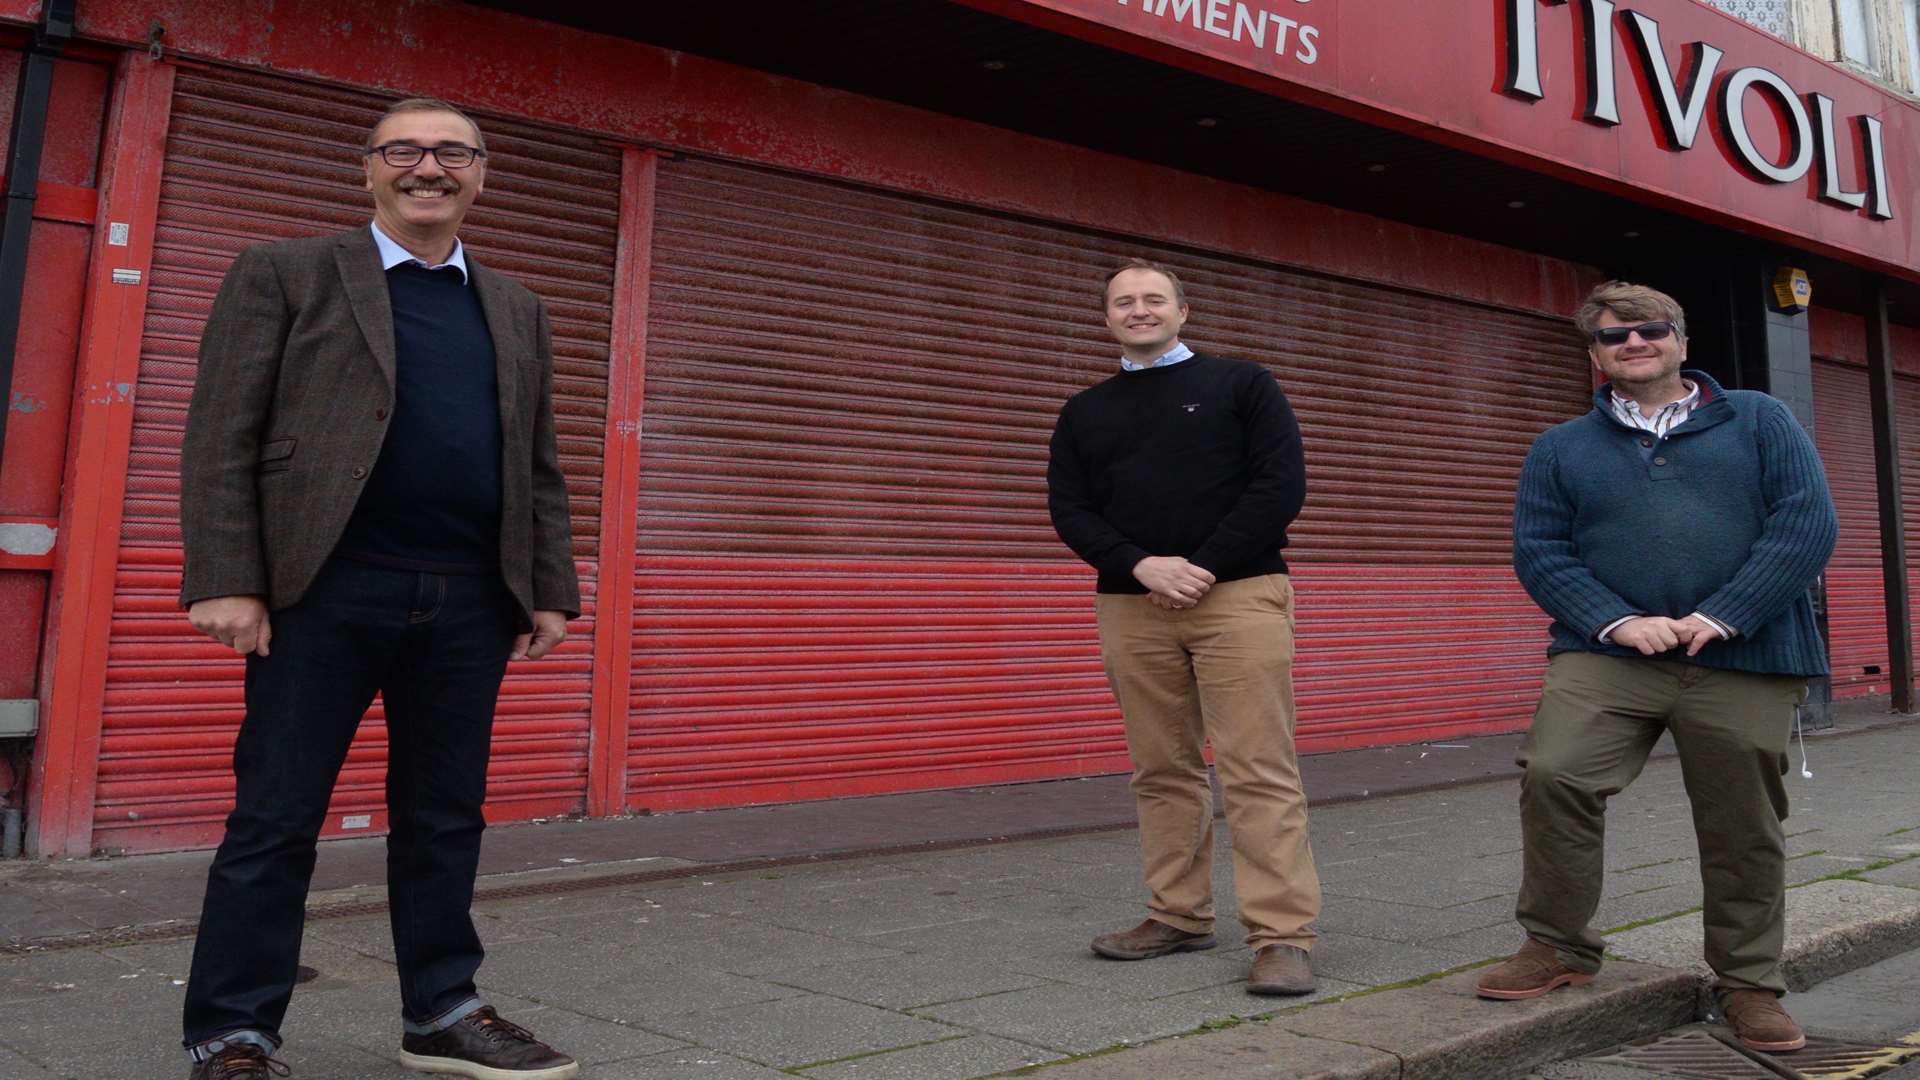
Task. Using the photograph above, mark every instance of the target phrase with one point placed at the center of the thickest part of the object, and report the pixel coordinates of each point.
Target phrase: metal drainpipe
(23, 179)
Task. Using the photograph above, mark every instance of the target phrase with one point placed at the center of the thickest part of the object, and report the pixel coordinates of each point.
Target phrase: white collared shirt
(392, 254)
(1169, 358)
(1664, 419)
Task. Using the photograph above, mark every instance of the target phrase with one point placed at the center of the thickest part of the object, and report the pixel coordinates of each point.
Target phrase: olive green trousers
(1598, 718)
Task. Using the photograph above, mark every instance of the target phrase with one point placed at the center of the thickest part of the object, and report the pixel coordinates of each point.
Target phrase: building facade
(819, 283)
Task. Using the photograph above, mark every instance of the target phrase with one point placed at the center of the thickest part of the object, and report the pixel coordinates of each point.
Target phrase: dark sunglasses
(1617, 335)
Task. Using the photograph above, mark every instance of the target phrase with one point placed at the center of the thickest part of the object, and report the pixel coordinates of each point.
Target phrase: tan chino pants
(1221, 670)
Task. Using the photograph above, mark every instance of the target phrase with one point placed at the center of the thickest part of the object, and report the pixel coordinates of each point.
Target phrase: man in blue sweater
(1672, 533)
(1176, 479)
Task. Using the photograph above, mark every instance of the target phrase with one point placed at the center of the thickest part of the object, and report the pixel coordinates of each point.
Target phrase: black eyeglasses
(407, 155)
(1617, 335)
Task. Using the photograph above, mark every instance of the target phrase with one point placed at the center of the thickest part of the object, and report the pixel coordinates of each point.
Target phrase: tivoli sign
(1679, 105)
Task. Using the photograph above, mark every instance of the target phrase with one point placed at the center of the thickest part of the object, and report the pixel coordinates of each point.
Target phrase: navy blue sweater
(1728, 515)
(433, 501)
(1200, 459)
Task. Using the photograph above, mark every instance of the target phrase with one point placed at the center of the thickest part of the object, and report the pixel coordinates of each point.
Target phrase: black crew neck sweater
(433, 501)
(1200, 459)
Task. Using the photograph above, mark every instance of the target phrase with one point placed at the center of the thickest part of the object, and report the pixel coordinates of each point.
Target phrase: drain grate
(1690, 1055)
(1697, 1054)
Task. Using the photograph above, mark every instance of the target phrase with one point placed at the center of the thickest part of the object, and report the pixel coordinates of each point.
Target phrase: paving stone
(1256, 1051)
(1903, 873)
(1231, 999)
(904, 982)
(802, 1030)
(697, 1064)
(1141, 979)
(961, 1058)
(32, 977)
(592, 1040)
(1442, 1030)
(15, 1067)
(1811, 911)
(1369, 961)
(1073, 1020)
(1874, 1005)
(1403, 922)
(637, 992)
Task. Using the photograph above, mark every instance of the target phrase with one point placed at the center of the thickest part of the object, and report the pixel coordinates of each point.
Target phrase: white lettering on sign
(1242, 23)
(1679, 105)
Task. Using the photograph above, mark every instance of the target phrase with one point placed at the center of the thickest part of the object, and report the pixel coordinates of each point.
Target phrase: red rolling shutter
(250, 157)
(847, 581)
(1856, 612)
(1856, 604)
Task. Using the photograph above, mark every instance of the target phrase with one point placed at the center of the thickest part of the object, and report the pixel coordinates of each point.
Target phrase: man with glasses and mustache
(371, 502)
(1672, 533)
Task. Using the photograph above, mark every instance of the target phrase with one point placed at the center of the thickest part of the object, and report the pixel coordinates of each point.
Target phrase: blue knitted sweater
(1728, 515)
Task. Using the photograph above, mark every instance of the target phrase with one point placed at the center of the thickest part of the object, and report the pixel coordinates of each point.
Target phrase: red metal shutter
(254, 157)
(1856, 611)
(847, 582)
(1856, 604)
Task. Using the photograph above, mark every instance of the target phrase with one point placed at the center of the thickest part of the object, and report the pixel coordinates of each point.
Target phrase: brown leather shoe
(1148, 940)
(482, 1046)
(239, 1061)
(1281, 969)
(1760, 1023)
(1529, 973)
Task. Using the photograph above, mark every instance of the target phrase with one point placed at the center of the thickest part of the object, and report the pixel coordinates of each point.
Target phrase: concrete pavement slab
(635, 991)
(15, 1067)
(1073, 1020)
(1356, 958)
(802, 1030)
(1442, 1030)
(1874, 1005)
(1141, 979)
(1250, 1051)
(699, 1064)
(1231, 1000)
(1905, 874)
(1409, 922)
(960, 1058)
(1818, 916)
(904, 982)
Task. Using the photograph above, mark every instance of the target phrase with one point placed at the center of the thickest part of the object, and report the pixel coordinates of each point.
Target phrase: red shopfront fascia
(690, 637)
(1722, 121)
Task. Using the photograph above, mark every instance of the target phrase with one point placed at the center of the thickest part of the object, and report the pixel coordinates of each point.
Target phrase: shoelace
(247, 1063)
(494, 1026)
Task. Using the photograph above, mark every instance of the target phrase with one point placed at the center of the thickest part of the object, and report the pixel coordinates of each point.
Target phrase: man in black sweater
(1176, 479)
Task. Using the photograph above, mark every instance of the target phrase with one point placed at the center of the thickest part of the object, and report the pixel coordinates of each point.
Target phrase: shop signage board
(1668, 102)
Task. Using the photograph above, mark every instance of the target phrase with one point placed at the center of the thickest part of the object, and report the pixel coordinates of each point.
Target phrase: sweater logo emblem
(1191, 408)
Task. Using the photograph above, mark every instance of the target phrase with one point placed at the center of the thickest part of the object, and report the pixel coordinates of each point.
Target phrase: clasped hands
(1172, 582)
(1655, 634)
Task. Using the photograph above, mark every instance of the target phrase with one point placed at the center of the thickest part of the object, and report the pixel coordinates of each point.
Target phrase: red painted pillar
(620, 488)
(60, 807)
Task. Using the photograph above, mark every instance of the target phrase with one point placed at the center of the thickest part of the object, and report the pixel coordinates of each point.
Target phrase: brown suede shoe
(1529, 973)
(1281, 969)
(1148, 940)
(1760, 1023)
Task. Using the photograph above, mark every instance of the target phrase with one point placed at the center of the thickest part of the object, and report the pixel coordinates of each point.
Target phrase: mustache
(428, 185)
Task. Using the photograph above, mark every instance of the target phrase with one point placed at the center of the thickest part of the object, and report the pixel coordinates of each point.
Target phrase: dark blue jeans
(435, 646)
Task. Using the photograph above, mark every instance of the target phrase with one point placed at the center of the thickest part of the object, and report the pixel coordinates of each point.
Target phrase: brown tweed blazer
(289, 409)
